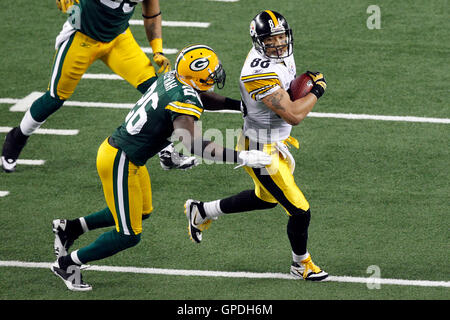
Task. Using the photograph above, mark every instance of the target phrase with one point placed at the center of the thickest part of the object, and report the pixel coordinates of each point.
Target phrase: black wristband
(317, 90)
(232, 104)
(151, 17)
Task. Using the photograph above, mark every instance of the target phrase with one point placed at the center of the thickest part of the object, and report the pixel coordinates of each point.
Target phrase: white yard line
(101, 76)
(3, 193)
(57, 132)
(185, 24)
(30, 162)
(233, 274)
(25, 103)
(351, 116)
(165, 50)
(99, 105)
(22, 105)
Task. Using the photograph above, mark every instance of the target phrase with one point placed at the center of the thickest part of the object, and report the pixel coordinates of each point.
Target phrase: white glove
(254, 159)
(286, 154)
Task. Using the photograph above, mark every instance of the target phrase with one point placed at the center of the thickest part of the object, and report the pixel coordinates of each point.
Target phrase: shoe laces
(309, 265)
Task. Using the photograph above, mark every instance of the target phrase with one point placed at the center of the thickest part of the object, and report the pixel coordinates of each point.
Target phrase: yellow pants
(74, 56)
(127, 188)
(275, 183)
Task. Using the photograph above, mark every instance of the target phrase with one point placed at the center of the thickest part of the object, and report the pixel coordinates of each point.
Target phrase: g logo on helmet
(199, 64)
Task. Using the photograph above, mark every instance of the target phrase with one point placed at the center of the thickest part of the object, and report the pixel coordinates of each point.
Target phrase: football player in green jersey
(169, 108)
(95, 29)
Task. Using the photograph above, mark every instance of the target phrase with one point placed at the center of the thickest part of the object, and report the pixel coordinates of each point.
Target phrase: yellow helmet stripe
(272, 16)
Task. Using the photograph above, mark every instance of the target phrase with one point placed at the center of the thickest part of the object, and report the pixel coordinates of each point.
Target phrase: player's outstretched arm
(214, 101)
(189, 134)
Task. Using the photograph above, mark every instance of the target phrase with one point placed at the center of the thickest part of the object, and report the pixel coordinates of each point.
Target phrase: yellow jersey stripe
(255, 86)
(187, 105)
(260, 91)
(265, 89)
(184, 110)
(259, 76)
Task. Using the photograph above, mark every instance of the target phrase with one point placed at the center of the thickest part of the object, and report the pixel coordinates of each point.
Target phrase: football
(300, 86)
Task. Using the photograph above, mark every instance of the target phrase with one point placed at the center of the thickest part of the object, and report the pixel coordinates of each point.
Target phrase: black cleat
(15, 141)
(71, 276)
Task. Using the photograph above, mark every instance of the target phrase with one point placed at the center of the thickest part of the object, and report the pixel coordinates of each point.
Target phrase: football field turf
(373, 161)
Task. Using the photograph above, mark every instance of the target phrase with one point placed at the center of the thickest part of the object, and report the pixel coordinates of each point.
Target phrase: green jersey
(149, 125)
(103, 20)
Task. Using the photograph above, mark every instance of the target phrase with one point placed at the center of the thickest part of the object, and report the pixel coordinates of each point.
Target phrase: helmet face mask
(217, 77)
(199, 67)
(271, 35)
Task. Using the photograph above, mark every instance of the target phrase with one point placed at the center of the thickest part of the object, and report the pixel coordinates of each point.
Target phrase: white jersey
(259, 78)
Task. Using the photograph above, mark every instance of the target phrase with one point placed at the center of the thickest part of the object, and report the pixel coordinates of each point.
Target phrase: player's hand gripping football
(162, 61)
(319, 83)
(254, 159)
(64, 5)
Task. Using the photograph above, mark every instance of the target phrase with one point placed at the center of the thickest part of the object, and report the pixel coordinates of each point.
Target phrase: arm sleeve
(177, 108)
(260, 85)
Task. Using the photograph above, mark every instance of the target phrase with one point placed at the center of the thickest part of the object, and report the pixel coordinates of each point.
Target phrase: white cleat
(197, 220)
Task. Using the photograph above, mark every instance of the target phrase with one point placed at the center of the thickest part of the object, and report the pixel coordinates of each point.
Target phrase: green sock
(43, 107)
(106, 245)
(100, 219)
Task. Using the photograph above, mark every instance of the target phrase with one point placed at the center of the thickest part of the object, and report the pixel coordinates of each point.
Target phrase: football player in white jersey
(269, 114)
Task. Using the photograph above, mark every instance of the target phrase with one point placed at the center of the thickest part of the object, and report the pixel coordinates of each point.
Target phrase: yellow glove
(162, 61)
(159, 58)
(64, 5)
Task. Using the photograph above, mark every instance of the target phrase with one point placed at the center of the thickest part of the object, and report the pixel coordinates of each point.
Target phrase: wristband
(317, 90)
(151, 17)
(156, 45)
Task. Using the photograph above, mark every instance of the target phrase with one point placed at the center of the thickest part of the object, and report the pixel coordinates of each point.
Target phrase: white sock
(83, 224)
(28, 125)
(74, 257)
(298, 259)
(212, 209)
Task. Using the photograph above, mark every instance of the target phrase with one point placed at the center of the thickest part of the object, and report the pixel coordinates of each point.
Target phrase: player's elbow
(292, 119)
(295, 122)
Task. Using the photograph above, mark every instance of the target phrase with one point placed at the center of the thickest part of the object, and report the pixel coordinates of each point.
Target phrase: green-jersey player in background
(96, 30)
